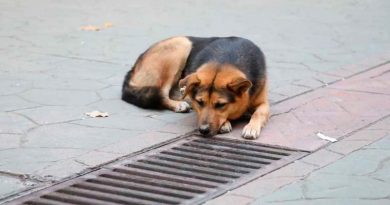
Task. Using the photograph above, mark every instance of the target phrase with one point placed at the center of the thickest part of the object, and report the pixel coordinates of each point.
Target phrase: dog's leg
(259, 117)
(171, 55)
(174, 105)
(171, 78)
(226, 127)
(258, 120)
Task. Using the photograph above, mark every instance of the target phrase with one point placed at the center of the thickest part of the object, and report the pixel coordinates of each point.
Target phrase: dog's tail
(145, 97)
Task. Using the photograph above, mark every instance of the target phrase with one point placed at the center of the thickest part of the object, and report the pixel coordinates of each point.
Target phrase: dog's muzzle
(204, 129)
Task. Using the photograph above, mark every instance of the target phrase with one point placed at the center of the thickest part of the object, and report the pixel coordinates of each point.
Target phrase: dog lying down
(222, 77)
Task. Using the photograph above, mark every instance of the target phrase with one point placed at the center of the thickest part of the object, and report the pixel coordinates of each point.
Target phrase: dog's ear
(188, 83)
(239, 85)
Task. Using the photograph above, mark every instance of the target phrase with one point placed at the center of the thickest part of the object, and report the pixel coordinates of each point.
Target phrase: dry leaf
(96, 113)
(96, 28)
(107, 25)
(90, 28)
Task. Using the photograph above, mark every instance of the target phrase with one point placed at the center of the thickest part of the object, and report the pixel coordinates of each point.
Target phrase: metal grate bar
(74, 199)
(189, 168)
(43, 201)
(189, 171)
(106, 197)
(142, 187)
(263, 159)
(247, 154)
(213, 159)
(178, 172)
(221, 167)
(245, 146)
(200, 185)
(194, 167)
(128, 193)
(164, 184)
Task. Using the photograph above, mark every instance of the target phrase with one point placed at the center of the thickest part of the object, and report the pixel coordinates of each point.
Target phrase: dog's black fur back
(237, 51)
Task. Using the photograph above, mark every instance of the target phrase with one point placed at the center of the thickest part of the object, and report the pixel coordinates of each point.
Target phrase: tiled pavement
(360, 178)
(354, 170)
(51, 72)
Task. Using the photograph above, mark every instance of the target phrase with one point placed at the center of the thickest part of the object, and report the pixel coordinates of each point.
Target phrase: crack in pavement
(380, 166)
(25, 178)
(358, 91)
(297, 107)
(380, 74)
(338, 153)
(78, 58)
(322, 198)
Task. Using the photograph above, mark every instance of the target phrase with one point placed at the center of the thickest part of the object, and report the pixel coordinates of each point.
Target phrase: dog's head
(218, 93)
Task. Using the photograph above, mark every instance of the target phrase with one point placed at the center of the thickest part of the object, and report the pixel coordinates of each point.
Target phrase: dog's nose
(204, 129)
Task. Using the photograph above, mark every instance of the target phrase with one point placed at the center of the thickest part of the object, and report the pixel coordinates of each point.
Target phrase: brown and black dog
(223, 77)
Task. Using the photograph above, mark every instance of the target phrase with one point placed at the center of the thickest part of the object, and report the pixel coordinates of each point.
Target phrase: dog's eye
(200, 103)
(220, 105)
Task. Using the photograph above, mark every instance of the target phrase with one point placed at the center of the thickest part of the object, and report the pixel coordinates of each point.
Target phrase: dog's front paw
(226, 128)
(182, 107)
(251, 131)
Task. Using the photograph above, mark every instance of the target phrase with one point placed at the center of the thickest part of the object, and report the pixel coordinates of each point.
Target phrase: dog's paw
(226, 128)
(182, 107)
(251, 132)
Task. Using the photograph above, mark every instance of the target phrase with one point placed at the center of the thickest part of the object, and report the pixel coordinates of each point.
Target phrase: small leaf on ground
(106, 25)
(96, 113)
(90, 28)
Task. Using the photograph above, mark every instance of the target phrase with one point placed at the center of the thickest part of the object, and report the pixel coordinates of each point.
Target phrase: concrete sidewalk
(354, 170)
(360, 178)
(355, 111)
(52, 72)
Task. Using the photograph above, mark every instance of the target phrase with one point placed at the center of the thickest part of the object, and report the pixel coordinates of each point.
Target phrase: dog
(221, 77)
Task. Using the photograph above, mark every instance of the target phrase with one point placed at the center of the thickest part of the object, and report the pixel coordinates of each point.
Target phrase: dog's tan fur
(161, 66)
(261, 113)
(226, 77)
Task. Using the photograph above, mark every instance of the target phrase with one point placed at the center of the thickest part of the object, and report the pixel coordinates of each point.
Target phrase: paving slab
(12, 185)
(9, 141)
(31, 160)
(358, 178)
(13, 86)
(295, 169)
(143, 141)
(54, 114)
(231, 200)
(12, 103)
(59, 97)
(261, 187)
(13, 123)
(328, 176)
(322, 157)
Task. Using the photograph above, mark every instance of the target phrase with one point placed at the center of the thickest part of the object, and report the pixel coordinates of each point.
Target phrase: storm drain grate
(189, 171)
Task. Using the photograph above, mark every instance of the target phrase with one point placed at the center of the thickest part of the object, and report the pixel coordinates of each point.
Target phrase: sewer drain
(189, 171)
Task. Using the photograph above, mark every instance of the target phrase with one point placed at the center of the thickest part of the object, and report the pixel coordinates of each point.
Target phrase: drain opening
(189, 171)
